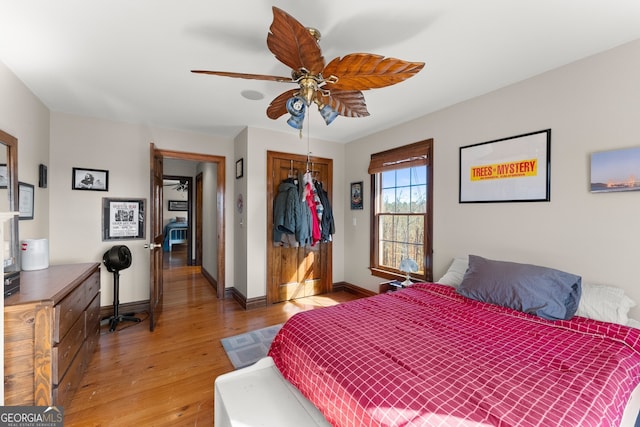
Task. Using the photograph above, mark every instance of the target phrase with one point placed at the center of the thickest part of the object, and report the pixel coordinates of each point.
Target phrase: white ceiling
(130, 60)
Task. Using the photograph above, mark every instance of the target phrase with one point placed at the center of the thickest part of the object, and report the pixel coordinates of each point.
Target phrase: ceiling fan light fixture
(308, 89)
(296, 107)
(328, 114)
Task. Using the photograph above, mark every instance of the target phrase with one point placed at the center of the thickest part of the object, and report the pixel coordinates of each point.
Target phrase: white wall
(242, 263)
(123, 150)
(591, 105)
(23, 116)
(210, 220)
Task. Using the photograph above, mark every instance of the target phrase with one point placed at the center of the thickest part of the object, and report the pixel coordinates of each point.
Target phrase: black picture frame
(239, 168)
(357, 199)
(26, 197)
(4, 175)
(90, 179)
(178, 205)
(513, 169)
(123, 219)
(42, 176)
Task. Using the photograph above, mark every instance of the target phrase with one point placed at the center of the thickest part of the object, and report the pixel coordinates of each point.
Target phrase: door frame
(220, 198)
(273, 295)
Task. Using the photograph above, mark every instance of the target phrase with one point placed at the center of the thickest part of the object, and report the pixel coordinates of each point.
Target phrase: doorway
(179, 211)
(213, 197)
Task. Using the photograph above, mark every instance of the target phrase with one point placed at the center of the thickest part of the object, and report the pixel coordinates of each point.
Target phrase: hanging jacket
(289, 216)
(327, 223)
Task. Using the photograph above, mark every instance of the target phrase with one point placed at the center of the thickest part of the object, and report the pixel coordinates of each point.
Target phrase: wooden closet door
(296, 272)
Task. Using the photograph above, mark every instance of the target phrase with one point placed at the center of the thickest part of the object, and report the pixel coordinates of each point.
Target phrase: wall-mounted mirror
(9, 199)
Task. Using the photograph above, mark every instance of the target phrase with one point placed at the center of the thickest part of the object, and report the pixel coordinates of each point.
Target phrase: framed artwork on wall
(90, 179)
(26, 196)
(239, 168)
(3, 175)
(123, 219)
(615, 170)
(356, 195)
(514, 169)
(178, 205)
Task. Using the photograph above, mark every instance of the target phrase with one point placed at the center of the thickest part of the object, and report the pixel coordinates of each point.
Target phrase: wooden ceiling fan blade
(278, 106)
(245, 76)
(363, 71)
(347, 103)
(293, 44)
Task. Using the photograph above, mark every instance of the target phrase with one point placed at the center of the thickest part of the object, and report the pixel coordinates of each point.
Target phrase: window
(402, 206)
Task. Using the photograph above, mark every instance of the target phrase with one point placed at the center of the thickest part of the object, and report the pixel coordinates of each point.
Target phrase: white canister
(34, 254)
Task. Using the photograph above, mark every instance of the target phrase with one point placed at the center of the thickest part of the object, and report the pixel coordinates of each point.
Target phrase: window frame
(416, 154)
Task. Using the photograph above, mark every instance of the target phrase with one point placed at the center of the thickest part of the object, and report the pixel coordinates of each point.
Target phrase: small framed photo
(4, 177)
(356, 195)
(178, 205)
(615, 170)
(239, 168)
(90, 179)
(123, 219)
(42, 176)
(25, 200)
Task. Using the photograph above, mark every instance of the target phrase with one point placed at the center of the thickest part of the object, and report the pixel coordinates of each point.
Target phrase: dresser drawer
(91, 287)
(67, 313)
(93, 314)
(62, 354)
(69, 383)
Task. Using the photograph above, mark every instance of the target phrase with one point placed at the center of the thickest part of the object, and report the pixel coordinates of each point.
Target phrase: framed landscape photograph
(90, 179)
(615, 170)
(514, 169)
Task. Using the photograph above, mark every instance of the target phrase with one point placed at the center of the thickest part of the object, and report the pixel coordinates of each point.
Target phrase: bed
(428, 355)
(175, 232)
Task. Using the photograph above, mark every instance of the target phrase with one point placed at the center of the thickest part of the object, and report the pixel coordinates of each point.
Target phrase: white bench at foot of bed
(258, 395)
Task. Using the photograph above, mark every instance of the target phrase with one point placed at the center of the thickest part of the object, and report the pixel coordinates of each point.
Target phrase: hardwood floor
(165, 377)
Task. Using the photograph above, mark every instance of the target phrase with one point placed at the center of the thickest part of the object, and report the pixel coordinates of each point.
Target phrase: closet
(304, 270)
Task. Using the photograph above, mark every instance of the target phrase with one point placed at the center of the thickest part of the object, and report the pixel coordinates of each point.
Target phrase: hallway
(165, 377)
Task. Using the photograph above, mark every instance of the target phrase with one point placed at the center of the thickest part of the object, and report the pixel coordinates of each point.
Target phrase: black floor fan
(115, 259)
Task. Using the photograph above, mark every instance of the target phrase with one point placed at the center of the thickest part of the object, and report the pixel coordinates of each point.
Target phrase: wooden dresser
(51, 328)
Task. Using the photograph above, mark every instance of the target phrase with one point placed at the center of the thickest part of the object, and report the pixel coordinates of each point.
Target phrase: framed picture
(123, 219)
(90, 179)
(356, 195)
(4, 177)
(25, 200)
(239, 168)
(42, 176)
(178, 205)
(615, 170)
(514, 169)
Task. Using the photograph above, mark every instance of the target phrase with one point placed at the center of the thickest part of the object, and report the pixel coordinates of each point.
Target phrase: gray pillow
(544, 292)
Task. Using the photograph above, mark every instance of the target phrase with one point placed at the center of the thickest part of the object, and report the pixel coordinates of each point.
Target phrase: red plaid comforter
(428, 356)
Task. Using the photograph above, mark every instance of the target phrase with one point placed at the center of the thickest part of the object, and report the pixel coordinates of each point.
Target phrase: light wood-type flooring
(165, 377)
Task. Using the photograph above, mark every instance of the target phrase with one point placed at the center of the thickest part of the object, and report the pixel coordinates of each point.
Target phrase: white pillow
(604, 303)
(633, 323)
(455, 273)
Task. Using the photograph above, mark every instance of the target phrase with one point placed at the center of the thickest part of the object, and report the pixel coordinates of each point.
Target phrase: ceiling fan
(178, 185)
(336, 88)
